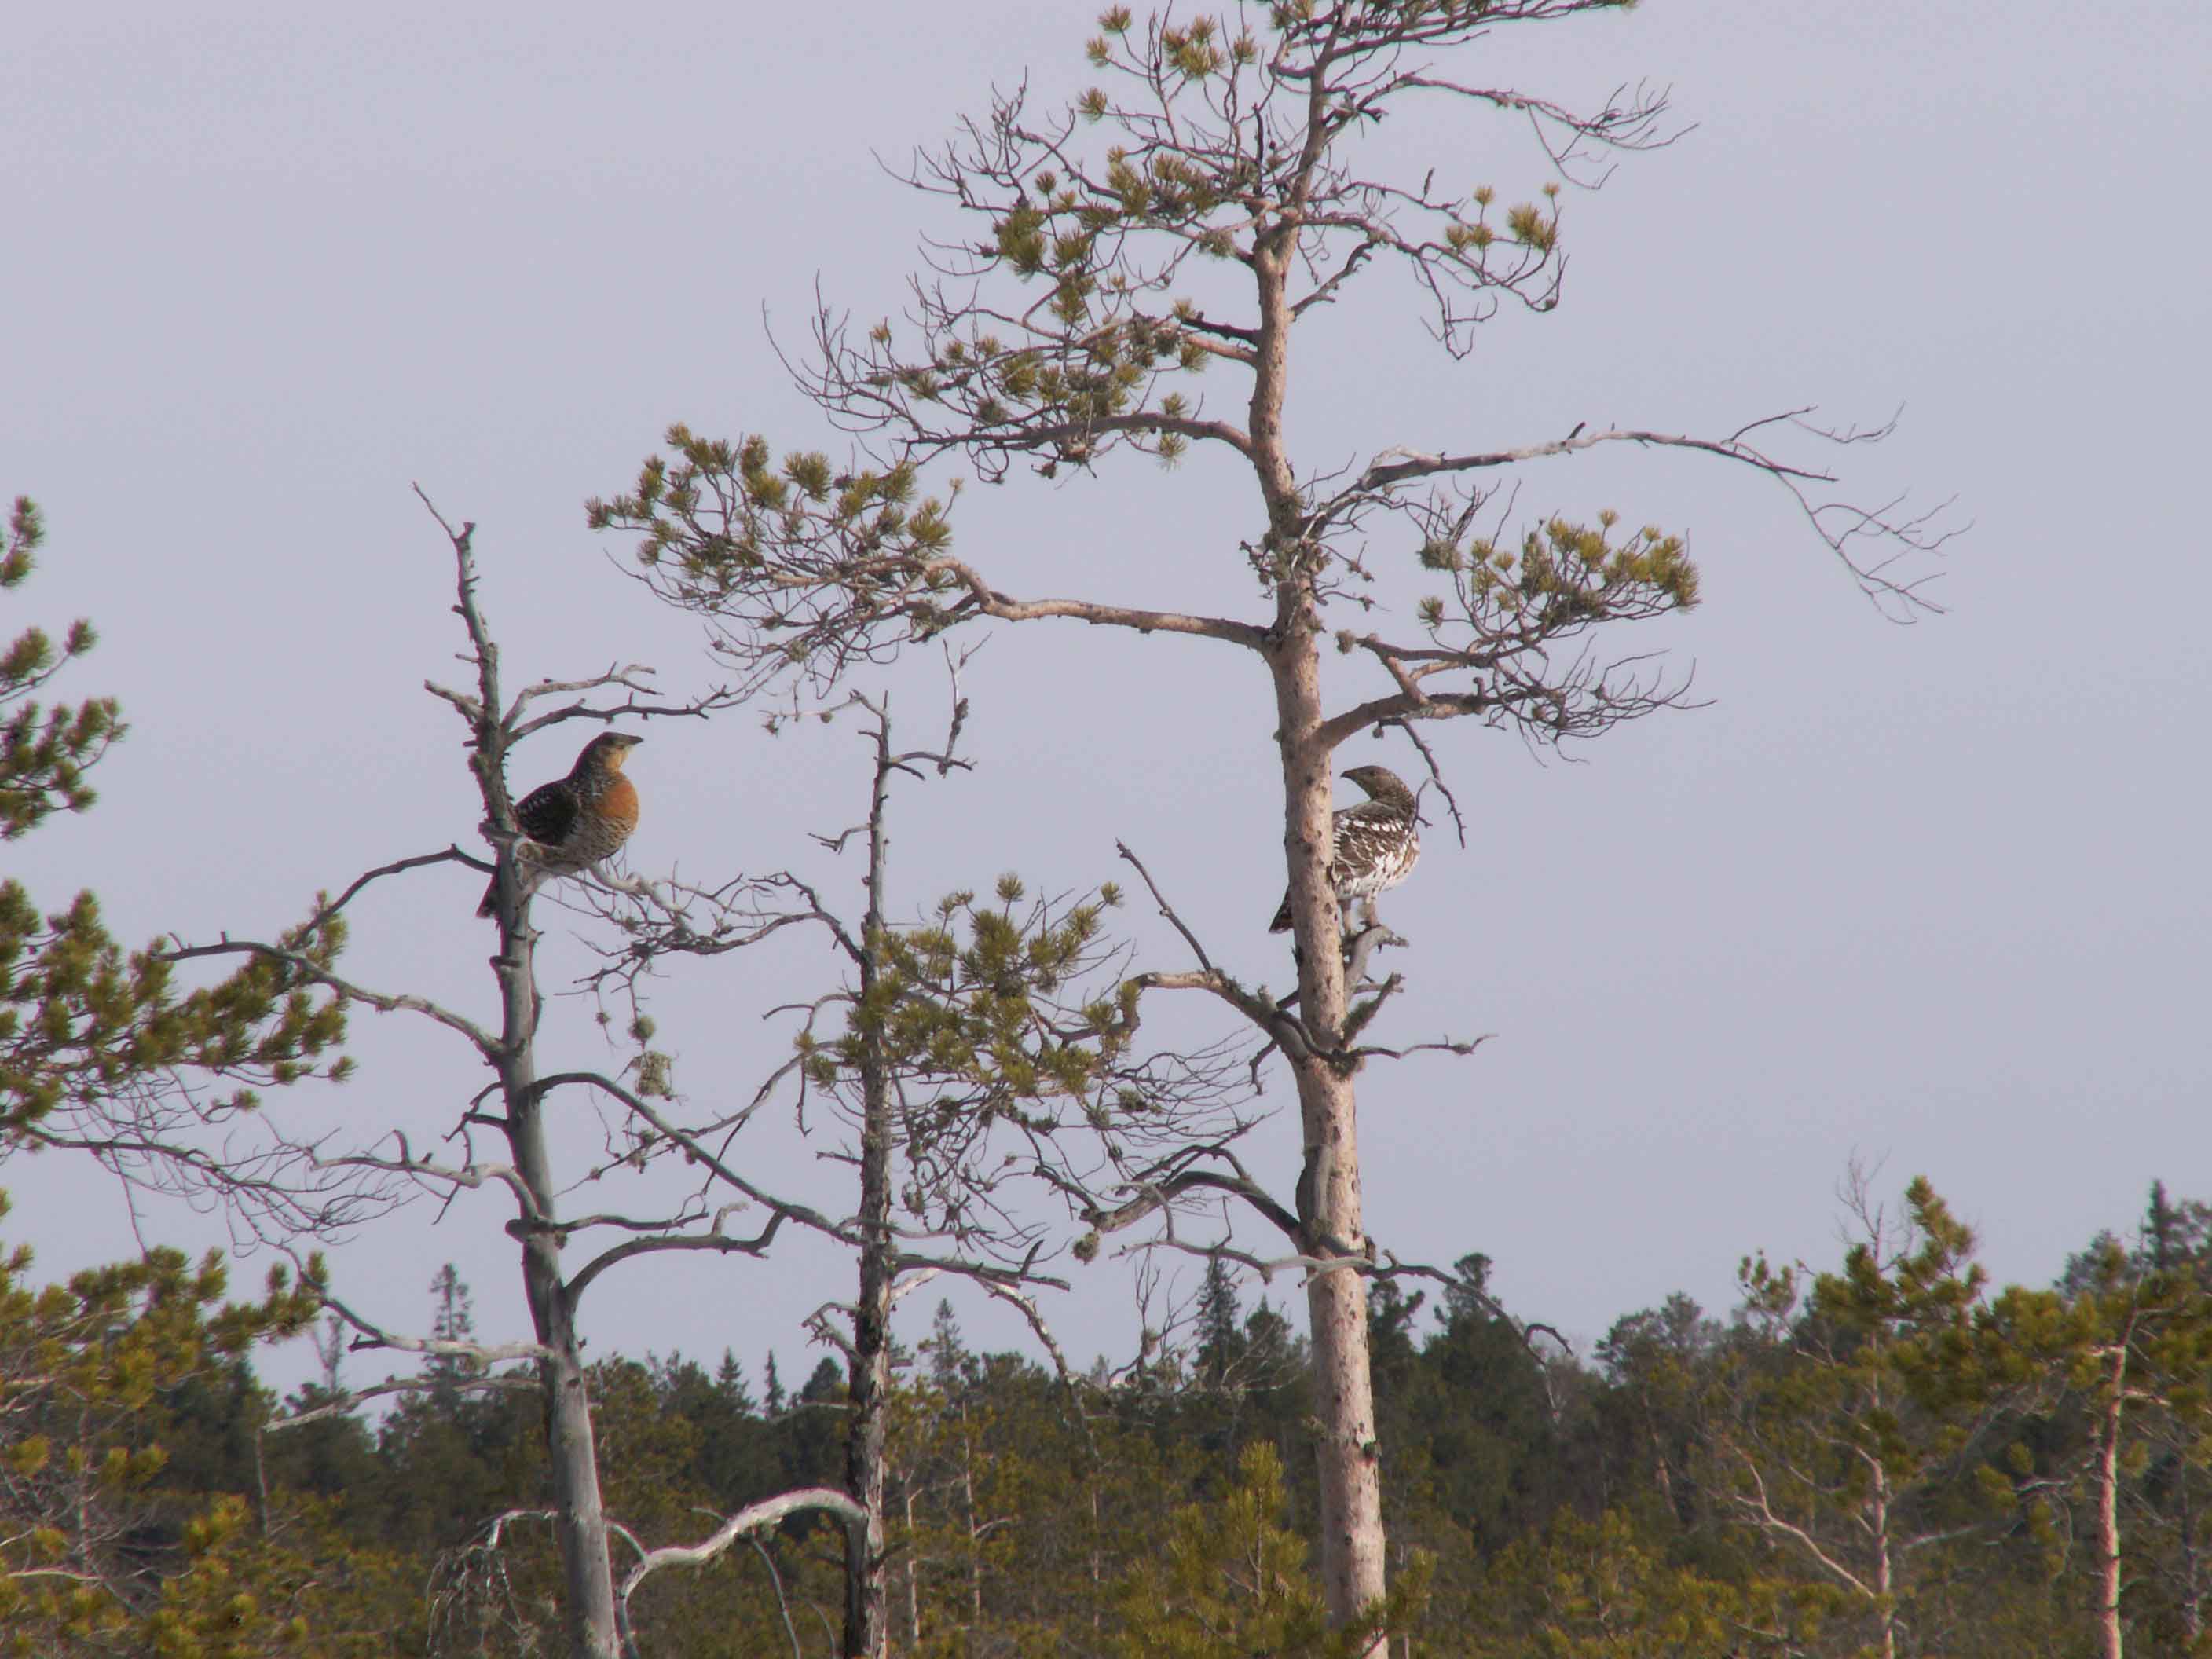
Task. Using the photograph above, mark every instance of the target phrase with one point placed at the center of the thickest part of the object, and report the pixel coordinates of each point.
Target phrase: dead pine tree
(509, 1110)
(1174, 228)
(976, 1050)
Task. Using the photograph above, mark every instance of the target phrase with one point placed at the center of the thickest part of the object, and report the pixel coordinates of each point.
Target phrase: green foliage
(288, 1586)
(2113, 1369)
(44, 752)
(1098, 361)
(1566, 574)
(1472, 1411)
(726, 529)
(1150, 1518)
(1077, 328)
(964, 1005)
(106, 1052)
(1510, 607)
(1233, 1581)
(1605, 1590)
(1847, 1414)
(98, 1049)
(1003, 1015)
(92, 1039)
(85, 1368)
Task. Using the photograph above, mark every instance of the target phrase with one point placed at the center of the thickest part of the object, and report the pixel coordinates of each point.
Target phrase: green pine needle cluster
(986, 1017)
(96, 1042)
(810, 568)
(44, 751)
(1563, 576)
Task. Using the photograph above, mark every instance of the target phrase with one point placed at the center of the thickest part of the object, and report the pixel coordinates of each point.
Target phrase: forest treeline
(1880, 1456)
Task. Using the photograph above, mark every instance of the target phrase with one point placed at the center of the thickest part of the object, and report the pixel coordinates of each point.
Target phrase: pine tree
(2124, 1349)
(453, 1320)
(44, 752)
(84, 1369)
(729, 1383)
(101, 1052)
(1208, 196)
(1845, 1422)
(1220, 1342)
(1231, 1580)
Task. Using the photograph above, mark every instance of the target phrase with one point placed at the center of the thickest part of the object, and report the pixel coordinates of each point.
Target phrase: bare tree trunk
(2192, 1588)
(2108, 1509)
(580, 1521)
(1343, 1400)
(912, 1579)
(867, 1587)
(1352, 1542)
(1885, 1579)
(974, 1522)
(1098, 1571)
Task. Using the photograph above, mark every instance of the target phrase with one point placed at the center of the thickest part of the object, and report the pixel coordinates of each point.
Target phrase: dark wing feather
(548, 813)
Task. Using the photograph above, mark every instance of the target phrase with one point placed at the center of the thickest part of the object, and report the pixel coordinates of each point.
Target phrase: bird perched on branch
(1372, 847)
(577, 820)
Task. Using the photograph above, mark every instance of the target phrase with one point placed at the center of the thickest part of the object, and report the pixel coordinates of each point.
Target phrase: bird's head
(1381, 784)
(608, 750)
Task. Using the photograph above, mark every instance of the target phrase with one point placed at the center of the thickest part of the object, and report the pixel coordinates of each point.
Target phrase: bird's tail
(1281, 924)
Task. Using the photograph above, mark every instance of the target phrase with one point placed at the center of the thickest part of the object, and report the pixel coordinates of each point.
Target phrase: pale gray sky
(1934, 894)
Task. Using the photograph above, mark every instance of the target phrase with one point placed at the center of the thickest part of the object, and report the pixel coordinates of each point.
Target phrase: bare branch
(345, 1404)
(373, 1336)
(1282, 1028)
(716, 1241)
(753, 1517)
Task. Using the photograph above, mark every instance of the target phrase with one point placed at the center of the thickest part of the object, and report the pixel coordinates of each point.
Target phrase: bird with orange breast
(574, 822)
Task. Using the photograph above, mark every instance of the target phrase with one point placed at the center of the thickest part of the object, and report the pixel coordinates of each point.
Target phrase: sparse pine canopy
(1097, 305)
(1011, 1031)
(100, 1050)
(1133, 267)
(811, 570)
(44, 751)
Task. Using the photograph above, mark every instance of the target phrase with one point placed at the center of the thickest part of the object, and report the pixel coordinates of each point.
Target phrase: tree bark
(2192, 1593)
(867, 1583)
(581, 1524)
(1352, 1541)
(1885, 1578)
(913, 1580)
(2108, 1509)
(974, 1521)
(580, 1520)
(867, 1586)
(1353, 1577)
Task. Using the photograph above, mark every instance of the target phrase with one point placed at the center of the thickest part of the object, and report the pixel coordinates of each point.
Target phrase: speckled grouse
(1373, 846)
(577, 820)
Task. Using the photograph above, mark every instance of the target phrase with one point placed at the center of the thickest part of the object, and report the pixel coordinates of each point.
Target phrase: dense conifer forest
(1700, 1484)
